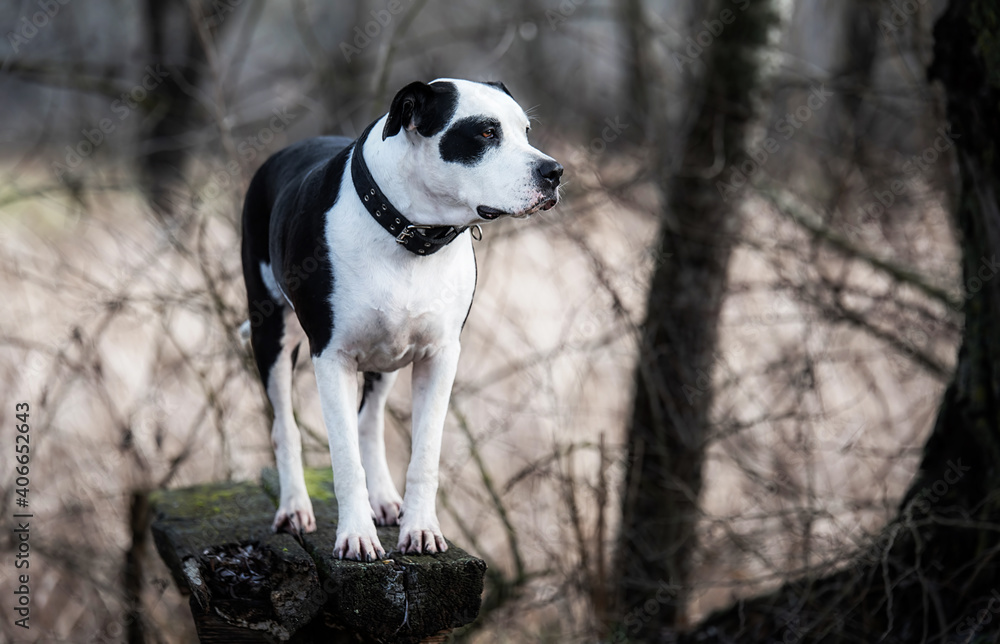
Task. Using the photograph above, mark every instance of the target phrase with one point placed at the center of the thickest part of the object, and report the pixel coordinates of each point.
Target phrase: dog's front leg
(337, 380)
(433, 377)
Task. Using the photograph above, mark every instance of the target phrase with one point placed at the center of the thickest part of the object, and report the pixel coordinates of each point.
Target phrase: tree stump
(247, 584)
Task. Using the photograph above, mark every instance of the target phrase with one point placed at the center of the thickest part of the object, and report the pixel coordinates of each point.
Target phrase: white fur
(389, 312)
(294, 507)
(244, 334)
(273, 288)
(382, 495)
(392, 308)
(409, 170)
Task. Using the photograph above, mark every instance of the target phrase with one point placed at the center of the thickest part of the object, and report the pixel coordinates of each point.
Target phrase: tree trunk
(175, 29)
(667, 433)
(934, 573)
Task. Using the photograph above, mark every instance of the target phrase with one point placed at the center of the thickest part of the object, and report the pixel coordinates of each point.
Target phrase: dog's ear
(500, 86)
(421, 107)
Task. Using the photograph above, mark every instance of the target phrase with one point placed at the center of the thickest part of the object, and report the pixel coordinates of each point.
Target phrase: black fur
(427, 107)
(267, 323)
(464, 141)
(302, 182)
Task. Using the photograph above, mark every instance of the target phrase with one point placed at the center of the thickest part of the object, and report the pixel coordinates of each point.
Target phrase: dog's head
(468, 149)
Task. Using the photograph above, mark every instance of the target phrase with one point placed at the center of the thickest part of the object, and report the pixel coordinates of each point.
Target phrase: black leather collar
(416, 238)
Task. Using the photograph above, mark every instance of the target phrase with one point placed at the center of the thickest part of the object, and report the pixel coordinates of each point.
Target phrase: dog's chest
(391, 310)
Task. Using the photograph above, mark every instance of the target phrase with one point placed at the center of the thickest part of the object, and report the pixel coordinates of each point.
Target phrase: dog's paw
(385, 506)
(418, 538)
(295, 515)
(362, 545)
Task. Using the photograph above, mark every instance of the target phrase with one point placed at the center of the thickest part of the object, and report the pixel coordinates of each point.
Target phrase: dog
(349, 245)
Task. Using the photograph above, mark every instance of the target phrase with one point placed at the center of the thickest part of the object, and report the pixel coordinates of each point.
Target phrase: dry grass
(121, 335)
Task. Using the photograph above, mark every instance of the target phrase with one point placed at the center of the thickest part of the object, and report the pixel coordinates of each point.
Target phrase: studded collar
(417, 238)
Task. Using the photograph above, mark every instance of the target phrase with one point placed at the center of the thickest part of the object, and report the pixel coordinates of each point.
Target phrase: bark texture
(175, 31)
(934, 574)
(667, 432)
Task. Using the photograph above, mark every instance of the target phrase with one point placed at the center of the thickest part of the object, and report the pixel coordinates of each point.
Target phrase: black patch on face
(464, 141)
(436, 114)
(427, 107)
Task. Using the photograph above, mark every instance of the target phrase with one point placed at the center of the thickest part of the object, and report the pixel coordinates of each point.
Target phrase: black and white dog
(351, 244)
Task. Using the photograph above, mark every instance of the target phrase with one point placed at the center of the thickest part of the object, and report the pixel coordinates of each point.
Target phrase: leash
(419, 239)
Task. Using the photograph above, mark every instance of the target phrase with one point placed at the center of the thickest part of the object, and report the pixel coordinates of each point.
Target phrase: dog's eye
(489, 133)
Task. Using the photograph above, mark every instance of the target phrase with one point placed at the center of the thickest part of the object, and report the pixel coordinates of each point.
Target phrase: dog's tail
(245, 334)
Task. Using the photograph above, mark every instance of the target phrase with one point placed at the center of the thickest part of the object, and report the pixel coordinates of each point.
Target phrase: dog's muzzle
(547, 173)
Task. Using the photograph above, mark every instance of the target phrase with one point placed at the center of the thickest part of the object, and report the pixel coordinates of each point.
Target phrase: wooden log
(249, 585)
(217, 542)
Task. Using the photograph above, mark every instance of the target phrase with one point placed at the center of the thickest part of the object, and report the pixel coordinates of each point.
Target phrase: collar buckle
(405, 235)
(410, 230)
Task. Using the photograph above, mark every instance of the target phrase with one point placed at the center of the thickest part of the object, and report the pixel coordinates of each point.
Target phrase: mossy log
(247, 584)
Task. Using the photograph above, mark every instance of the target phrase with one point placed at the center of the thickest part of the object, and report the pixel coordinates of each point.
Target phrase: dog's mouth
(490, 214)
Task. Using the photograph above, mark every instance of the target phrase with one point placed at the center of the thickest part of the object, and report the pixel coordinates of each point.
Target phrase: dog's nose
(549, 172)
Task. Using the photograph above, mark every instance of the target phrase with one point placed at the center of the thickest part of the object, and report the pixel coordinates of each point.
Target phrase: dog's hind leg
(276, 338)
(382, 494)
(295, 511)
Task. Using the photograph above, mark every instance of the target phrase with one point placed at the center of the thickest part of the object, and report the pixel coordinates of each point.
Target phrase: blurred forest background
(716, 395)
